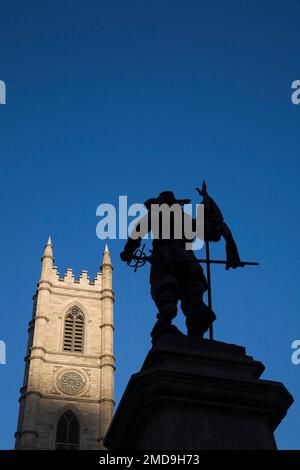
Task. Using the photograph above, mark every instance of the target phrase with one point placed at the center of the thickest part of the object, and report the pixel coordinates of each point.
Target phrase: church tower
(67, 396)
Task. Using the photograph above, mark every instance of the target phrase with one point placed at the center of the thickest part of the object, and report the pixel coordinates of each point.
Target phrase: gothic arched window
(74, 331)
(67, 432)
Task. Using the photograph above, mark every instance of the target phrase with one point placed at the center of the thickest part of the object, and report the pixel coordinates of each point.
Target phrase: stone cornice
(44, 288)
(107, 265)
(67, 353)
(107, 324)
(109, 400)
(74, 287)
(71, 364)
(108, 365)
(94, 295)
(65, 398)
(72, 291)
(108, 296)
(41, 348)
(26, 431)
(37, 317)
(269, 398)
(107, 289)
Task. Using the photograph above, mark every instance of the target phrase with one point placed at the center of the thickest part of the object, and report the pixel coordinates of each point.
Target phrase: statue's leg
(198, 315)
(164, 292)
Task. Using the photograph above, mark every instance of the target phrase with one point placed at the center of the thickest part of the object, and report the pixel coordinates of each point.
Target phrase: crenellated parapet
(52, 277)
(50, 274)
(70, 280)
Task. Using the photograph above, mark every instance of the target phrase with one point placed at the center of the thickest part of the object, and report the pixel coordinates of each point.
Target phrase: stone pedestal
(194, 394)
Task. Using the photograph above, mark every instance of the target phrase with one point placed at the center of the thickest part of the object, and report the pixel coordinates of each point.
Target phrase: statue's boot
(199, 320)
(164, 326)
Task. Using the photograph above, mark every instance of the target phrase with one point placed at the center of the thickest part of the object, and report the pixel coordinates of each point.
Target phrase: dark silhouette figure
(176, 274)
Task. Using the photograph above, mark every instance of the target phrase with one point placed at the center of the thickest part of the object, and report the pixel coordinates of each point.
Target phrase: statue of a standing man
(176, 275)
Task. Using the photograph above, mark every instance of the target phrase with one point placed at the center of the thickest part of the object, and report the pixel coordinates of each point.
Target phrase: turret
(107, 356)
(47, 261)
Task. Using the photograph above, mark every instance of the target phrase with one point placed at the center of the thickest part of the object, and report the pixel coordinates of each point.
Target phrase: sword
(141, 258)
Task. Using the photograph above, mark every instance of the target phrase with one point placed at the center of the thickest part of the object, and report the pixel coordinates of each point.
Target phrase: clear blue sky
(134, 97)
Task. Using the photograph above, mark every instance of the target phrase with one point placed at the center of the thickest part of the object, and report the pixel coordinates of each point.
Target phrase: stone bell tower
(67, 396)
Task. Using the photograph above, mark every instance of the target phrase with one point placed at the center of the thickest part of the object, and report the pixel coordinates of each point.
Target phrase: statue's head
(166, 197)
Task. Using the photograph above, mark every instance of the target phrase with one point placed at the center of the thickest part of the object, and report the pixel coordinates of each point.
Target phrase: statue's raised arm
(215, 227)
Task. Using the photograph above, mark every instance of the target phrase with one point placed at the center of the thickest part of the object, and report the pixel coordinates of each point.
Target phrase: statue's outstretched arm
(141, 229)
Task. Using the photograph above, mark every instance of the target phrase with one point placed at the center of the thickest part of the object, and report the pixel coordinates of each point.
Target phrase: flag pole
(209, 299)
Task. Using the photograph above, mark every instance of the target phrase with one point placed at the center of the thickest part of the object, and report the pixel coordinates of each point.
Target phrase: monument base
(194, 394)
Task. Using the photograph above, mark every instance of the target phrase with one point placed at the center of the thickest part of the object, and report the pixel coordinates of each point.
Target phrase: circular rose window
(71, 382)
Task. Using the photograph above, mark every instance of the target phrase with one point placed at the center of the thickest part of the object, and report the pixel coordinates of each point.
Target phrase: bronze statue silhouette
(176, 274)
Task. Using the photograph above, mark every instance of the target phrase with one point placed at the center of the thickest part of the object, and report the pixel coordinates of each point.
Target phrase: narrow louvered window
(74, 331)
(67, 432)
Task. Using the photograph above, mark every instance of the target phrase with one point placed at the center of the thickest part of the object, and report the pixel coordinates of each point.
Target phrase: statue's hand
(125, 256)
(234, 264)
(232, 254)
